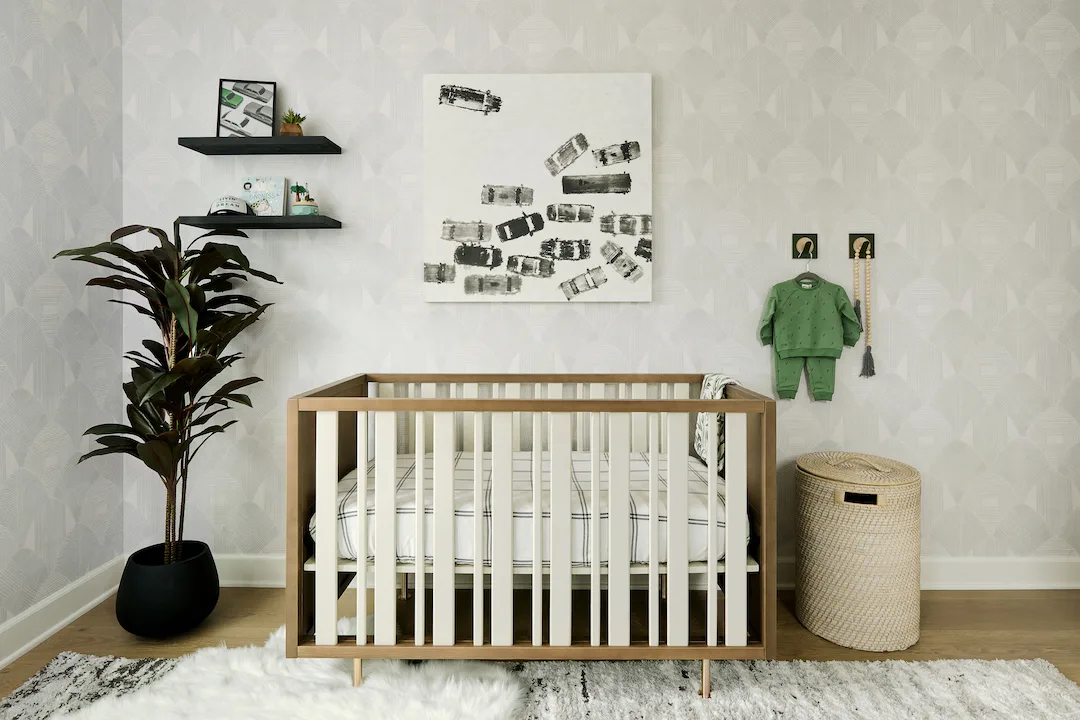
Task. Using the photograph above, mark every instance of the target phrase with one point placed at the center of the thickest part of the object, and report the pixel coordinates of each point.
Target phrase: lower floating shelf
(259, 222)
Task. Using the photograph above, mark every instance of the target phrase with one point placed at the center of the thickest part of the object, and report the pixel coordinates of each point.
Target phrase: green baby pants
(821, 372)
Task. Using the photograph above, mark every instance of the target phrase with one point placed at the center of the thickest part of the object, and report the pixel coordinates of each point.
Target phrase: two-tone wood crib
(559, 581)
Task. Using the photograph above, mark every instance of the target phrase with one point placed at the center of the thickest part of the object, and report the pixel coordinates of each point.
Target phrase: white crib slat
(420, 570)
(654, 529)
(677, 566)
(478, 528)
(442, 578)
(502, 532)
(560, 496)
(710, 633)
(469, 391)
(619, 529)
(596, 392)
(735, 530)
(360, 540)
(385, 528)
(428, 390)
(594, 526)
(639, 391)
(552, 391)
(537, 531)
(580, 419)
(513, 392)
(326, 531)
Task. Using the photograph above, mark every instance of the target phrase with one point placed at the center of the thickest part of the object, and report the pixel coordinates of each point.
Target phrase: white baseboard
(980, 573)
(251, 570)
(43, 619)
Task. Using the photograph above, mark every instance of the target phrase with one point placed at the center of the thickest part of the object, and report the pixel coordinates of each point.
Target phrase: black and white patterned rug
(261, 683)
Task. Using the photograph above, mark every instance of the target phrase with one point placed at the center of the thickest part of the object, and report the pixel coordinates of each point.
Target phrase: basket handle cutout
(857, 498)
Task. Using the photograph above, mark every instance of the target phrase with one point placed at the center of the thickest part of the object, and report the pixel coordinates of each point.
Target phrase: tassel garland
(868, 357)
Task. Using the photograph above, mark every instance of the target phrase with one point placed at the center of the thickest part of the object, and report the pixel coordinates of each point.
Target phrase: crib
(557, 443)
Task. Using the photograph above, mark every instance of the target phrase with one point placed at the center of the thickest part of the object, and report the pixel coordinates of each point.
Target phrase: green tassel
(867, 364)
(858, 313)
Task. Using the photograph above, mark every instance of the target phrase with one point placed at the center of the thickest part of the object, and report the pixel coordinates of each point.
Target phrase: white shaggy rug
(259, 683)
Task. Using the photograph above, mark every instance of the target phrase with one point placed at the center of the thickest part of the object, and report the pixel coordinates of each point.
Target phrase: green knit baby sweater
(814, 320)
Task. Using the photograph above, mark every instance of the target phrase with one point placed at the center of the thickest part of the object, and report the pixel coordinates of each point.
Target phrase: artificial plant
(171, 409)
(291, 117)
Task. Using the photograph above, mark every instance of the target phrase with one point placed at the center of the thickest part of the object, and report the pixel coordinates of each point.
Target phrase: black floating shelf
(259, 222)
(279, 145)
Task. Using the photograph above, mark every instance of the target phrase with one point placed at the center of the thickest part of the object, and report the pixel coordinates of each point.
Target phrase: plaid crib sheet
(581, 509)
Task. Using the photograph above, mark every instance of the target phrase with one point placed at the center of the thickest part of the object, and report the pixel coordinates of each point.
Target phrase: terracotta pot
(290, 129)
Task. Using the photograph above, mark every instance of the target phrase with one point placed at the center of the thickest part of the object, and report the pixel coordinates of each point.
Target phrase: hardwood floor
(955, 624)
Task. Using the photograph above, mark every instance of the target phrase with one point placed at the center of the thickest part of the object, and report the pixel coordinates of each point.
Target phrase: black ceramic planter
(157, 600)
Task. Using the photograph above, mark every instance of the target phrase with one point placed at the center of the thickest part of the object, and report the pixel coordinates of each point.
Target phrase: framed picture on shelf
(264, 195)
(246, 108)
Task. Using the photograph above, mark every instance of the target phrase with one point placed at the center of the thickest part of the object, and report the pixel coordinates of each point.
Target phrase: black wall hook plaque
(804, 246)
(861, 245)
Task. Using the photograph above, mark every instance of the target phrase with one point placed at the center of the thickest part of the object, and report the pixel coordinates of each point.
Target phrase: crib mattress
(522, 528)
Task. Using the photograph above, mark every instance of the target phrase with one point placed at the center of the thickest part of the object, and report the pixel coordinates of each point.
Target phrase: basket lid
(857, 468)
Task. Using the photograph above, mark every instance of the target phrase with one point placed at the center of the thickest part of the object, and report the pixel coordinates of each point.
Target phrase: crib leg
(706, 680)
(357, 672)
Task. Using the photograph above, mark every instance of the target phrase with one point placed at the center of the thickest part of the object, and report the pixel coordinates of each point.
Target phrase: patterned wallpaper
(60, 154)
(951, 128)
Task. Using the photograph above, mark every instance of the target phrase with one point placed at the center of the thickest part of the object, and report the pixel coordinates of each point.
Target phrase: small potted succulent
(291, 122)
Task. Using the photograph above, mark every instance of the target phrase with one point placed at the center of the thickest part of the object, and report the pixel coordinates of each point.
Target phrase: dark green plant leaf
(138, 308)
(220, 301)
(230, 252)
(108, 451)
(156, 385)
(140, 422)
(111, 429)
(256, 273)
(158, 456)
(117, 441)
(157, 350)
(180, 304)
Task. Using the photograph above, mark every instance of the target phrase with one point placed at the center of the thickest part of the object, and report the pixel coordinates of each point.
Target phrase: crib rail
(433, 417)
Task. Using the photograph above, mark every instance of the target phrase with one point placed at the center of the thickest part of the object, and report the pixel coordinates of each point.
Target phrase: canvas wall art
(246, 108)
(538, 188)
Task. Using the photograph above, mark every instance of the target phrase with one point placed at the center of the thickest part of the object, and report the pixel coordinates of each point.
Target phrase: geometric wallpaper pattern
(60, 359)
(951, 128)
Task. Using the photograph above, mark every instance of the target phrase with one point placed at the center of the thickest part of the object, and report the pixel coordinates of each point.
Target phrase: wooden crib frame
(378, 415)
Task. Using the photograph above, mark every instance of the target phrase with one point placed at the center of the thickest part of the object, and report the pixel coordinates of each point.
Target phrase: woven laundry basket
(857, 547)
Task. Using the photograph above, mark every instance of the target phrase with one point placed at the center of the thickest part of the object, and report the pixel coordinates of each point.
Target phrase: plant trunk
(170, 523)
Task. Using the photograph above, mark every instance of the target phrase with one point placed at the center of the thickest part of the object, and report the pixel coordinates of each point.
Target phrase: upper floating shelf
(278, 145)
(259, 222)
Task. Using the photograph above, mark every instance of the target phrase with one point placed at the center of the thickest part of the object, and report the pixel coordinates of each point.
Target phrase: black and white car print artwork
(585, 184)
(589, 280)
(492, 284)
(567, 153)
(626, 224)
(478, 256)
(506, 195)
(570, 212)
(624, 264)
(612, 154)
(520, 227)
(439, 273)
(532, 263)
(468, 232)
(557, 249)
(469, 99)
(532, 266)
